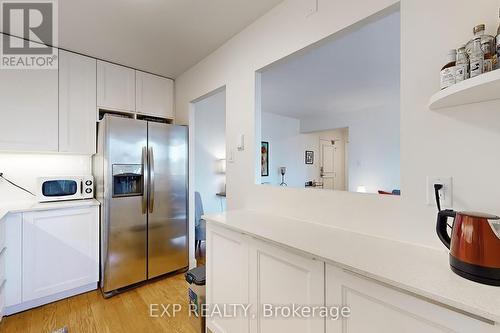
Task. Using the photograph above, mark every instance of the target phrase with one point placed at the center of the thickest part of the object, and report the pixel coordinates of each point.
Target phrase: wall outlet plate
(445, 194)
(311, 7)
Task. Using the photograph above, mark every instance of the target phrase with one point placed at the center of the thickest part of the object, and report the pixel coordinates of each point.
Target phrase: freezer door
(124, 228)
(168, 219)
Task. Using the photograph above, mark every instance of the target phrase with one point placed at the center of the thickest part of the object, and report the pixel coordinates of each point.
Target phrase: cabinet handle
(151, 180)
(145, 173)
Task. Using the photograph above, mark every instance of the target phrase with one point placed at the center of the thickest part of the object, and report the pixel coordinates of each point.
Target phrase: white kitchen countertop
(416, 269)
(32, 205)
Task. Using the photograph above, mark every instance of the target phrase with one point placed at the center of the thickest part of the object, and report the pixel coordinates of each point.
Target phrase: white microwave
(65, 188)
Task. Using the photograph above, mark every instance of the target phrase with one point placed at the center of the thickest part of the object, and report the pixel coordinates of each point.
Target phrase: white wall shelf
(482, 88)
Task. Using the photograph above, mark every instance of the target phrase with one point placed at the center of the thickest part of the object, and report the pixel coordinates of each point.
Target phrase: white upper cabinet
(115, 87)
(154, 95)
(77, 103)
(29, 110)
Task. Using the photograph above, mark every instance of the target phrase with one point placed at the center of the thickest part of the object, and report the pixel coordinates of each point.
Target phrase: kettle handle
(442, 225)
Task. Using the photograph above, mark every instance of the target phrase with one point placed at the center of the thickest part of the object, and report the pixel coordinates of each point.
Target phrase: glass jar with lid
(480, 31)
(462, 65)
(476, 58)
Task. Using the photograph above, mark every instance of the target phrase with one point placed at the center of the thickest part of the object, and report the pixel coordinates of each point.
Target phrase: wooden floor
(127, 312)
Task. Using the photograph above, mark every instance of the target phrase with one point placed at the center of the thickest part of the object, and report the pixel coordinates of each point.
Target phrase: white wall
(461, 142)
(24, 169)
(287, 147)
(374, 145)
(210, 148)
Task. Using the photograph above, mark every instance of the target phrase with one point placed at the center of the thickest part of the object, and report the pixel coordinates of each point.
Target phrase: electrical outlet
(311, 7)
(445, 194)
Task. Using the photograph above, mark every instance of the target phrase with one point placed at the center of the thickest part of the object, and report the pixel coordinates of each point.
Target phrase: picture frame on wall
(264, 159)
(309, 158)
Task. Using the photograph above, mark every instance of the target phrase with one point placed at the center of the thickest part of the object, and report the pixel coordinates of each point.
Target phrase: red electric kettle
(474, 244)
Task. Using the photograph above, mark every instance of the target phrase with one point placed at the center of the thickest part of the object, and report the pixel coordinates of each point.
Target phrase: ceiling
(358, 70)
(166, 37)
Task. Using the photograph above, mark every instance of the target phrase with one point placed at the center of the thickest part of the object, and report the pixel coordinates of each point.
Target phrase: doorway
(208, 161)
(332, 164)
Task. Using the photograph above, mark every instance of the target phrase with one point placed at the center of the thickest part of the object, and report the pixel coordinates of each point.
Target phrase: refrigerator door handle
(145, 172)
(151, 163)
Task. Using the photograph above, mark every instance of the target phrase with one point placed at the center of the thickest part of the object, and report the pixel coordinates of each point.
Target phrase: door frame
(191, 168)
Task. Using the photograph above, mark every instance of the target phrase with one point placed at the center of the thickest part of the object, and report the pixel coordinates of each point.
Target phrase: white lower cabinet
(377, 308)
(269, 278)
(60, 251)
(13, 259)
(242, 270)
(50, 255)
(3, 250)
(279, 280)
(227, 278)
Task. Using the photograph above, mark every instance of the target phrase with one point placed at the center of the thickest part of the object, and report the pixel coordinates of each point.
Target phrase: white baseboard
(49, 299)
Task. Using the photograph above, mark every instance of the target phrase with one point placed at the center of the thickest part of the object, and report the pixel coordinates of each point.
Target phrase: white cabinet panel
(60, 251)
(28, 110)
(115, 87)
(227, 277)
(2, 233)
(376, 308)
(13, 259)
(279, 277)
(2, 299)
(154, 95)
(77, 103)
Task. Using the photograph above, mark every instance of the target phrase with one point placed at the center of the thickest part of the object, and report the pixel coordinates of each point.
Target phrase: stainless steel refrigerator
(141, 180)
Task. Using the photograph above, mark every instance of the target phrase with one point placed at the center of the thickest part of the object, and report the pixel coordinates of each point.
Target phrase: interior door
(125, 222)
(333, 164)
(327, 164)
(168, 219)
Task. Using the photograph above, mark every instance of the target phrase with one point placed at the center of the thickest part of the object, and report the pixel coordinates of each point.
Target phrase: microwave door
(125, 219)
(167, 207)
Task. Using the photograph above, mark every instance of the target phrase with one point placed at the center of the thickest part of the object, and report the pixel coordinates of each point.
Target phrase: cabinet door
(60, 251)
(155, 95)
(376, 308)
(281, 278)
(2, 267)
(28, 110)
(77, 103)
(13, 259)
(115, 87)
(227, 277)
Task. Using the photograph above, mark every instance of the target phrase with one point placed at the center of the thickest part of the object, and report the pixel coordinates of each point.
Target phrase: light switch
(230, 157)
(241, 142)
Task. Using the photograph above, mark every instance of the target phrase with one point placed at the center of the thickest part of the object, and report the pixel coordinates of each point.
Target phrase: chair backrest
(198, 208)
